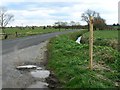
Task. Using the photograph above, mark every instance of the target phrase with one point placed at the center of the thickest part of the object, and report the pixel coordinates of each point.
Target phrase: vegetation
(69, 61)
(103, 38)
(15, 32)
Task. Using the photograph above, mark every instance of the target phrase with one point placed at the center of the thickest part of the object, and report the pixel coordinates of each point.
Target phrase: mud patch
(38, 73)
(53, 81)
(38, 85)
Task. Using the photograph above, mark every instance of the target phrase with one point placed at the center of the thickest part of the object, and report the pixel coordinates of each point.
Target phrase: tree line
(99, 22)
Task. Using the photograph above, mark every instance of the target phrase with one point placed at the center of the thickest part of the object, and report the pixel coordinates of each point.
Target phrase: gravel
(13, 78)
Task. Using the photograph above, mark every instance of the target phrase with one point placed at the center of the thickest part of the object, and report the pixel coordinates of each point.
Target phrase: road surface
(14, 52)
(20, 43)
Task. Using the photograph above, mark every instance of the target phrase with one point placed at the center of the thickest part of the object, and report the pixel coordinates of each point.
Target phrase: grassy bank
(69, 61)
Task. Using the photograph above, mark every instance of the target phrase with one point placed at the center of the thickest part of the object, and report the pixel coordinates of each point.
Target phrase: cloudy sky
(46, 12)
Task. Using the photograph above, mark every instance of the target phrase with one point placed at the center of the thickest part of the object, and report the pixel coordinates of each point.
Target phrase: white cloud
(5, 2)
(42, 15)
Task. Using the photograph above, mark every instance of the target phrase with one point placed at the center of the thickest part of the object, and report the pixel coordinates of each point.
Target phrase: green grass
(28, 31)
(69, 61)
(104, 34)
(103, 38)
(37, 30)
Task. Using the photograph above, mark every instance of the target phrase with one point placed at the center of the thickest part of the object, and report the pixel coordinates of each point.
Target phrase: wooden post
(91, 43)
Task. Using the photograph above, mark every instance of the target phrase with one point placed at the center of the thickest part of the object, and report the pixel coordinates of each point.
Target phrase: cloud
(43, 12)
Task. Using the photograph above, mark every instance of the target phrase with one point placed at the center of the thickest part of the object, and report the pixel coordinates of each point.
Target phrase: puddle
(40, 73)
(36, 72)
(78, 40)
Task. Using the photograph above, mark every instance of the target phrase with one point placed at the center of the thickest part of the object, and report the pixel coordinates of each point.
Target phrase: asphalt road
(20, 50)
(20, 43)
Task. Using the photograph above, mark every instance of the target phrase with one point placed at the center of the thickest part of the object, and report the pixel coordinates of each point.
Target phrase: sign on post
(91, 43)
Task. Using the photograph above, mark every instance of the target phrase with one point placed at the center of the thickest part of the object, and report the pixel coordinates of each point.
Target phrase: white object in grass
(78, 40)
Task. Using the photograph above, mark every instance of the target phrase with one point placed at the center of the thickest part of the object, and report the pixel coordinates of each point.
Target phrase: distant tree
(72, 23)
(32, 27)
(44, 27)
(5, 18)
(64, 23)
(48, 26)
(57, 24)
(114, 24)
(77, 23)
(60, 24)
(118, 24)
(99, 22)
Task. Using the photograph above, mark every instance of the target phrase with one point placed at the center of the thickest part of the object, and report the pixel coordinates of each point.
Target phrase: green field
(37, 30)
(11, 32)
(69, 61)
(103, 38)
(104, 34)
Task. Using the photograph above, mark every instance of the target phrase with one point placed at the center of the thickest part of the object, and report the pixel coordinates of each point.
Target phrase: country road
(29, 49)
(20, 43)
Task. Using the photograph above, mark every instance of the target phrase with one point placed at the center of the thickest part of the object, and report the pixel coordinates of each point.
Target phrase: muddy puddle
(39, 84)
(39, 73)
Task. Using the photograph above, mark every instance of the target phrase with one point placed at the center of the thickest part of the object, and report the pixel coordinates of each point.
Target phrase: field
(22, 32)
(105, 34)
(103, 38)
(69, 61)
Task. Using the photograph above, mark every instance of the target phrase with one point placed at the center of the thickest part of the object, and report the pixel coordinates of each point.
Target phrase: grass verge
(69, 61)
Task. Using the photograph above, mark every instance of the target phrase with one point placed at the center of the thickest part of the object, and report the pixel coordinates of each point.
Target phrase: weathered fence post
(91, 43)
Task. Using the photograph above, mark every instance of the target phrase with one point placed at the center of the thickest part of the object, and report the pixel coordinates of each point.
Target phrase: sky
(46, 12)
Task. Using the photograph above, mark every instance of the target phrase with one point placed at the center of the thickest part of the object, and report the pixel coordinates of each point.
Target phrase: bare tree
(5, 18)
(85, 16)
